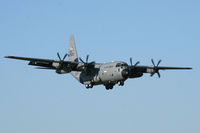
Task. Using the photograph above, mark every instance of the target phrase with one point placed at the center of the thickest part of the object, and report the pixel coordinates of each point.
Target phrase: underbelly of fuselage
(101, 78)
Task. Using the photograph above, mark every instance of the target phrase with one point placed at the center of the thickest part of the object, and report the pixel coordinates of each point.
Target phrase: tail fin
(72, 50)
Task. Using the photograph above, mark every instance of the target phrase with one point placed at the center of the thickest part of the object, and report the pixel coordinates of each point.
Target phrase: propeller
(61, 60)
(155, 68)
(131, 62)
(131, 69)
(63, 57)
(86, 64)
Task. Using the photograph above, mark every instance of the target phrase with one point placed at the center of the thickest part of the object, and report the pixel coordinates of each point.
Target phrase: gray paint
(91, 73)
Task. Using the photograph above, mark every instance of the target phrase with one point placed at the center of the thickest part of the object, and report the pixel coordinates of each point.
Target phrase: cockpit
(121, 65)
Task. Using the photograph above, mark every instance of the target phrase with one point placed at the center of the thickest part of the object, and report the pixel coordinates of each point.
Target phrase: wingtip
(6, 56)
(188, 68)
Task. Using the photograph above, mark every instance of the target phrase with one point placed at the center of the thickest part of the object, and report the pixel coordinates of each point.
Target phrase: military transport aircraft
(91, 73)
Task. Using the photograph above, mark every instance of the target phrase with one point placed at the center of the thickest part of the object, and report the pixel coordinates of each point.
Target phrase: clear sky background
(109, 30)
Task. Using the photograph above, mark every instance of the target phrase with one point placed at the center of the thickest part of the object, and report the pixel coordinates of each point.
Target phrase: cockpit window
(121, 64)
(118, 65)
(125, 64)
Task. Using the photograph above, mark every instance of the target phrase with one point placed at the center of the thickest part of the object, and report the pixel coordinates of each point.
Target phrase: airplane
(91, 73)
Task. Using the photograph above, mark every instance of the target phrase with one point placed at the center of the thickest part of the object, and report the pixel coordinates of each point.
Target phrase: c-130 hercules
(91, 73)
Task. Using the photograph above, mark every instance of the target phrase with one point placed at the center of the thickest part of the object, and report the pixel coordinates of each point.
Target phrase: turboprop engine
(61, 68)
(63, 71)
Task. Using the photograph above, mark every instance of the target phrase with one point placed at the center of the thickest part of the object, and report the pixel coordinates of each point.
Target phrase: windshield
(121, 64)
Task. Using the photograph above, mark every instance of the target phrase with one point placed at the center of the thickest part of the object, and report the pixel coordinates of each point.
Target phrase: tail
(72, 53)
(72, 56)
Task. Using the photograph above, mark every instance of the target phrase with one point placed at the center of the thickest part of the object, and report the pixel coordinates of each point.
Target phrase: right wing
(46, 63)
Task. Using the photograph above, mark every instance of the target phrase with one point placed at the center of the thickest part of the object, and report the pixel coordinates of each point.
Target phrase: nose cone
(125, 73)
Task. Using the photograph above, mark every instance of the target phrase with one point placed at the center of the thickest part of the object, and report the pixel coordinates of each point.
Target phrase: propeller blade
(152, 74)
(65, 56)
(153, 62)
(87, 58)
(136, 64)
(158, 74)
(131, 61)
(59, 56)
(159, 63)
(81, 60)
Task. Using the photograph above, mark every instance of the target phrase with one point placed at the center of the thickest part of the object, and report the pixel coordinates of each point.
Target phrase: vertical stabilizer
(72, 56)
(72, 50)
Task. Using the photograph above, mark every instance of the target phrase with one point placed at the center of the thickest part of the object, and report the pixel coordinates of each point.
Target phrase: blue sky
(42, 101)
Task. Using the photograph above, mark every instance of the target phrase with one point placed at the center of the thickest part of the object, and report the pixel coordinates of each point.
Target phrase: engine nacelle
(63, 71)
(135, 75)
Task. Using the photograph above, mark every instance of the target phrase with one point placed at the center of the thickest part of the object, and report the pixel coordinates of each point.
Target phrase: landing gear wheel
(120, 83)
(109, 87)
(89, 86)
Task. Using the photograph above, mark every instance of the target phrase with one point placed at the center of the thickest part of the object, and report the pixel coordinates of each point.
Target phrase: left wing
(153, 69)
(144, 69)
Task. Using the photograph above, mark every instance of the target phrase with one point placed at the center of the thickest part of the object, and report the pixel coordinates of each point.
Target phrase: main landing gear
(109, 86)
(89, 86)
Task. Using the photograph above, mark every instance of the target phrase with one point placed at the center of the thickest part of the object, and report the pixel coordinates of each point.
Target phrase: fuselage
(103, 73)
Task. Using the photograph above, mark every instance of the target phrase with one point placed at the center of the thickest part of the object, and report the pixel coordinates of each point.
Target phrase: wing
(46, 63)
(152, 69)
(145, 69)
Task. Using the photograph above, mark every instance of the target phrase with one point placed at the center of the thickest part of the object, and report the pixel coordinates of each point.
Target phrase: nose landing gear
(109, 87)
(120, 83)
